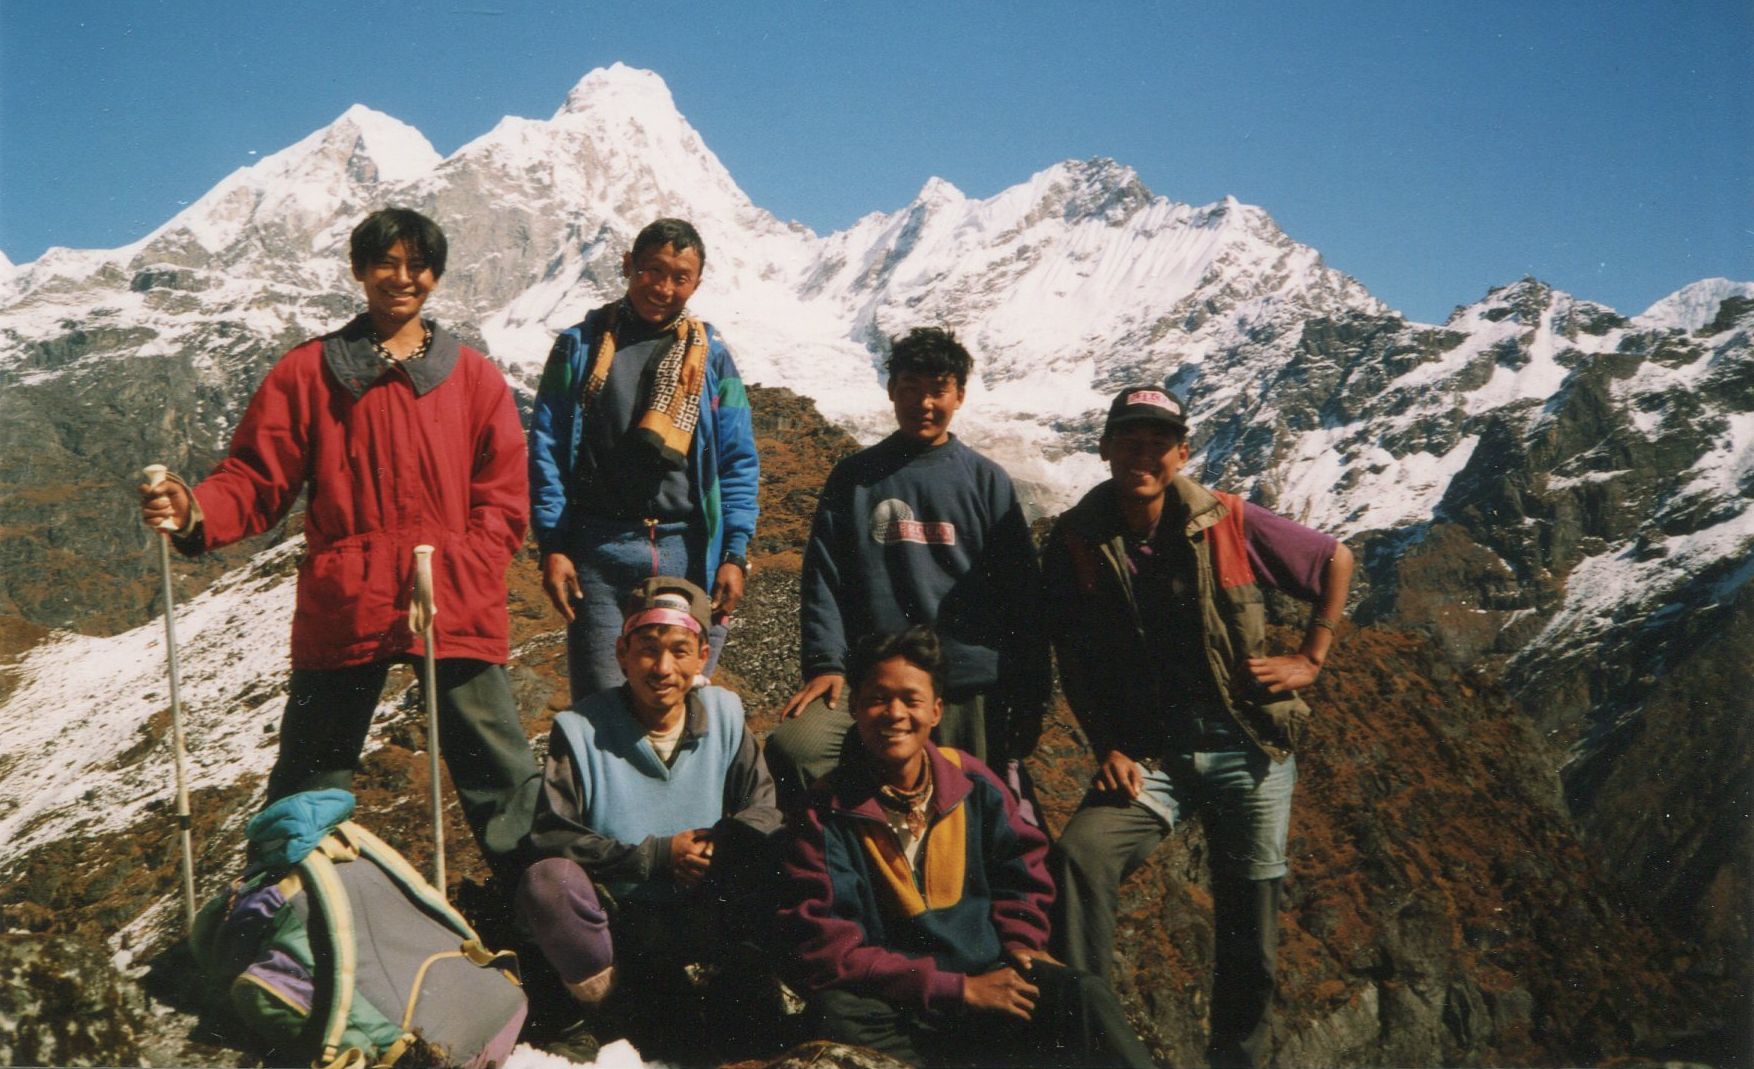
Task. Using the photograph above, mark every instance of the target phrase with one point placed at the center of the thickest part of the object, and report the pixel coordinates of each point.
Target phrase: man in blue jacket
(642, 456)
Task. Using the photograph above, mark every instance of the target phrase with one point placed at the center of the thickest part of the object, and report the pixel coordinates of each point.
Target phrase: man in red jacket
(405, 437)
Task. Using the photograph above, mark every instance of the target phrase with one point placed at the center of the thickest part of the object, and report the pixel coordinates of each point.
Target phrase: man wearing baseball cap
(1160, 631)
(656, 812)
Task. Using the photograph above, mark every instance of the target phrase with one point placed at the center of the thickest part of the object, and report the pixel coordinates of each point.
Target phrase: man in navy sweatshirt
(920, 529)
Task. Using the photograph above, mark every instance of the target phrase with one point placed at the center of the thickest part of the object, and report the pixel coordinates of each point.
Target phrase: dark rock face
(64, 1004)
(1564, 558)
(1668, 790)
(75, 555)
(1442, 910)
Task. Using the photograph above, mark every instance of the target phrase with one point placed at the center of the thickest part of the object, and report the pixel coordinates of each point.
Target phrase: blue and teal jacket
(727, 473)
(859, 917)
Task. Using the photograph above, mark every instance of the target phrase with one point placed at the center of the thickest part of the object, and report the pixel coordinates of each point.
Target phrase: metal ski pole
(154, 474)
(421, 612)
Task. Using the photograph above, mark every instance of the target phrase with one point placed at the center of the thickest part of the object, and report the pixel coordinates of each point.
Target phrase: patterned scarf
(673, 409)
(910, 805)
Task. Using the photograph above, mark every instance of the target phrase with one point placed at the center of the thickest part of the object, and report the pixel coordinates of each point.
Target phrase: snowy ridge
(1693, 306)
(231, 643)
(306, 185)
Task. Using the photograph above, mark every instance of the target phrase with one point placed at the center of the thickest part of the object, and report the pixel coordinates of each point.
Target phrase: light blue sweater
(626, 790)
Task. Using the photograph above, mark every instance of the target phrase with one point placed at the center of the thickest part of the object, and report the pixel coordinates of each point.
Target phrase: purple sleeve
(1286, 555)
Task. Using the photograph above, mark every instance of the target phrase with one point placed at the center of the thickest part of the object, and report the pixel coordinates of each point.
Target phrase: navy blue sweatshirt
(905, 535)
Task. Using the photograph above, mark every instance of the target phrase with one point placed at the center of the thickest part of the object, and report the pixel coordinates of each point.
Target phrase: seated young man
(656, 810)
(916, 899)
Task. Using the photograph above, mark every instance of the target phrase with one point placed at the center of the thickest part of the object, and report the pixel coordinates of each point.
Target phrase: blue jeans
(1246, 799)
(610, 558)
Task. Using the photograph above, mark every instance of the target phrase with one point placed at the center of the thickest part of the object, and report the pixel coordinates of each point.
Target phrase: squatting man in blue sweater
(656, 816)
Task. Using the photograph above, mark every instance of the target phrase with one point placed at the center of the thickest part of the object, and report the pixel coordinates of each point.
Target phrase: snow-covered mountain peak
(395, 150)
(334, 171)
(1692, 307)
(938, 191)
(624, 85)
(621, 126)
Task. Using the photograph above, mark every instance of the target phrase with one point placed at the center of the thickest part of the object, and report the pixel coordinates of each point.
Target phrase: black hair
(930, 351)
(918, 646)
(679, 234)
(381, 229)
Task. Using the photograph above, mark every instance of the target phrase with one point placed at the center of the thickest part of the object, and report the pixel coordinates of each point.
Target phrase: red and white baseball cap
(1146, 404)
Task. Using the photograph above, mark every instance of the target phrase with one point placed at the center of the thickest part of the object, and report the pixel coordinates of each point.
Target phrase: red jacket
(428, 452)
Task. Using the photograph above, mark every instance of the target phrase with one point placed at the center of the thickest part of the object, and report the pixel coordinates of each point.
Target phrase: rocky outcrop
(62, 1003)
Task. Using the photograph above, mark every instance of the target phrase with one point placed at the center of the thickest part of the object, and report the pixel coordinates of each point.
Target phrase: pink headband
(673, 617)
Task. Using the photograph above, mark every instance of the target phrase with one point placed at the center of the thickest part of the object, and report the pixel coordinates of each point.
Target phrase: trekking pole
(154, 474)
(421, 612)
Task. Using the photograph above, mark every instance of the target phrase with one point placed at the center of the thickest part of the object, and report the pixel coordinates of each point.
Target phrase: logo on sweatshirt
(893, 521)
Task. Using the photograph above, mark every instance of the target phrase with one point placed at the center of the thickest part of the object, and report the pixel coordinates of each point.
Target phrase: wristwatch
(739, 560)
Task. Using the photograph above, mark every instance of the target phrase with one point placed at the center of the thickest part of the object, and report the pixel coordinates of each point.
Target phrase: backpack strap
(329, 898)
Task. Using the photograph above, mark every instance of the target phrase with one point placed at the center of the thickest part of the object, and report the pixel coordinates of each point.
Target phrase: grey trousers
(328, 713)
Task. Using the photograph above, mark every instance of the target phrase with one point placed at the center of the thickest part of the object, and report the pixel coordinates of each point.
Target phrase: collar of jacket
(1099, 514)
(350, 356)
(855, 788)
(694, 719)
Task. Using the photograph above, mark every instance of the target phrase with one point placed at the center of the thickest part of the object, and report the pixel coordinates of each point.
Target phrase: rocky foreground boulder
(63, 1003)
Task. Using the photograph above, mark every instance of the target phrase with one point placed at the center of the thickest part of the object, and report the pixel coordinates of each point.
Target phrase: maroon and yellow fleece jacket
(856, 916)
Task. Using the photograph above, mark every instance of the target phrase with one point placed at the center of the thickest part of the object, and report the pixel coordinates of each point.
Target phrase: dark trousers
(1097, 850)
(1077, 1022)
(329, 711)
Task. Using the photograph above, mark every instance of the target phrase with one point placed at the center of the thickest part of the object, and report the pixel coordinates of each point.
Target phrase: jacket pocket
(348, 591)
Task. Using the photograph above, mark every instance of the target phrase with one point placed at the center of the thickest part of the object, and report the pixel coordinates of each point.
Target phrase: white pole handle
(154, 474)
(421, 610)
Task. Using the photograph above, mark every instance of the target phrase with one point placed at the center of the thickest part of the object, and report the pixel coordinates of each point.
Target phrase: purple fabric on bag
(246, 927)
(282, 973)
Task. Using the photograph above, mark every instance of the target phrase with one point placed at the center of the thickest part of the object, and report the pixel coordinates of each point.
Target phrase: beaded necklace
(909, 803)
(384, 353)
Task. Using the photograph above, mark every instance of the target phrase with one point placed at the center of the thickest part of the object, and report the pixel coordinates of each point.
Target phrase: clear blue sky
(1432, 150)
